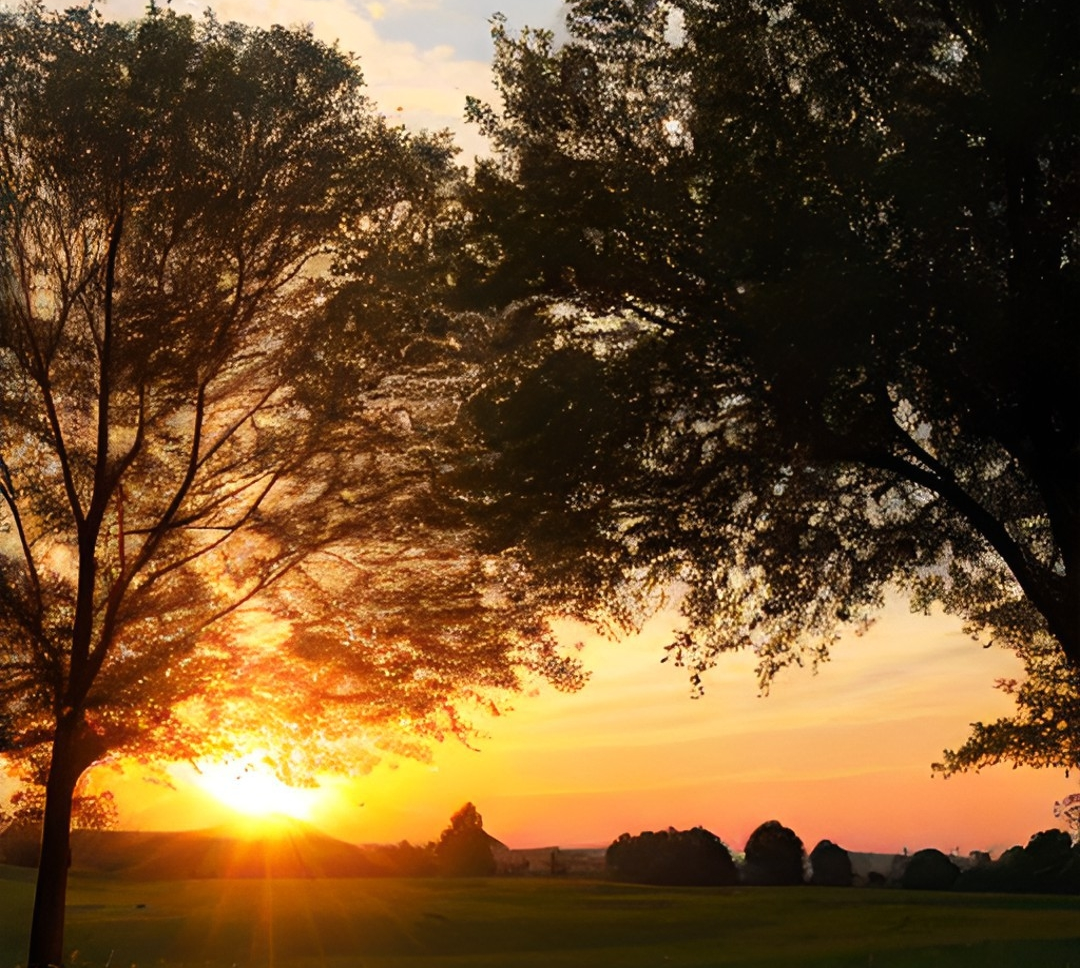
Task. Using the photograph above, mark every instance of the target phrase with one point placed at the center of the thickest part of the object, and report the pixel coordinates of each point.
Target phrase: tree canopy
(218, 525)
(795, 290)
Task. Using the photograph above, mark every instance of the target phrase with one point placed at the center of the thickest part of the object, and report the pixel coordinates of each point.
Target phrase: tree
(26, 803)
(929, 870)
(830, 865)
(1049, 864)
(795, 286)
(209, 545)
(774, 856)
(690, 858)
(464, 849)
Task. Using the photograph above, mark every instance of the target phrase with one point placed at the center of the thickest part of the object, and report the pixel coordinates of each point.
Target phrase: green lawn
(509, 923)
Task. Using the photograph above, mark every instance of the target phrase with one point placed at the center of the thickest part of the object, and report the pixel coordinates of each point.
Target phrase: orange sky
(844, 754)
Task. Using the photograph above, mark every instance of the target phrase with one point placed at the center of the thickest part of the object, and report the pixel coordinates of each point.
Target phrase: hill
(272, 847)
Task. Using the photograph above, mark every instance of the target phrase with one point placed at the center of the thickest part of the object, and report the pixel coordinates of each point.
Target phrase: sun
(250, 787)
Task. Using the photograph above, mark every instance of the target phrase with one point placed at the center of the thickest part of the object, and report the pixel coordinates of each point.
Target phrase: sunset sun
(250, 787)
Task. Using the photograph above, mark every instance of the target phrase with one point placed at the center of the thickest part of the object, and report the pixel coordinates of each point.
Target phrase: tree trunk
(71, 755)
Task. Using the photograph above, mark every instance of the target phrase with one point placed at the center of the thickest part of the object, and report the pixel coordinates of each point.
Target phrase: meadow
(527, 923)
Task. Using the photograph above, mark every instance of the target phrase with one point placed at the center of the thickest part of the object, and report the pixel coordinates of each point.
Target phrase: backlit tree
(796, 286)
(207, 542)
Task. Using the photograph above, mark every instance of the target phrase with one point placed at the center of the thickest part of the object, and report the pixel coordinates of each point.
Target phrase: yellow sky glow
(250, 787)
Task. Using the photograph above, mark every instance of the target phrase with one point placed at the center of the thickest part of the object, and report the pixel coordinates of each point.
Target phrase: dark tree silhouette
(774, 856)
(1049, 864)
(176, 461)
(689, 858)
(800, 331)
(929, 870)
(830, 865)
(464, 849)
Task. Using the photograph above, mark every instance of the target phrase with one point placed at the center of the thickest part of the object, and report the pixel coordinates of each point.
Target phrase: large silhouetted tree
(197, 432)
(796, 286)
(930, 870)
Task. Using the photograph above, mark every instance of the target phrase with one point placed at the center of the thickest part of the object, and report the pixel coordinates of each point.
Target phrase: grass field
(529, 923)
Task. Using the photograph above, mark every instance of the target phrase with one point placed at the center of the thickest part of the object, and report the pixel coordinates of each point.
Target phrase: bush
(830, 865)
(689, 858)
(774, 856)
(930, 870)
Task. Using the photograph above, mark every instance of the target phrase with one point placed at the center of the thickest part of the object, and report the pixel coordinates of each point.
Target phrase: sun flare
(250, 787)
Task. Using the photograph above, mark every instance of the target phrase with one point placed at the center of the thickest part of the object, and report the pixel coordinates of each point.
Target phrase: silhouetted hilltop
(281, 847)
(275, 847)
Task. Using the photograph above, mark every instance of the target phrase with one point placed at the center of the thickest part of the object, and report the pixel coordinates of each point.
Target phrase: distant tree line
(774, 856)
(464, 849)
(694, 857)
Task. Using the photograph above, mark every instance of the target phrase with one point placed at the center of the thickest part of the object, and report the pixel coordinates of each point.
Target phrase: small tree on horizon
(830, 865)
(463, 848)
(929, 870)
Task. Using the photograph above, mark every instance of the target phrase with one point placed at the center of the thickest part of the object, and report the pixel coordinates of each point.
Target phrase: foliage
(208, 546)
(798, 291)
(774, 856)
(91, 809)
(179, 469)
(1049, 864)
(929, 870)
(403, 859)
(1045, 730)
(830, 865)
(672, 857)
(464, 849)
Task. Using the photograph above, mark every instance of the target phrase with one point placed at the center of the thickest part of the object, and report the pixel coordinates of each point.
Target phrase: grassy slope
(531, 923)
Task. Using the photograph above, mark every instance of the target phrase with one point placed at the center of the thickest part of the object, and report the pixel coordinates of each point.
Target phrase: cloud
(414, 85)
